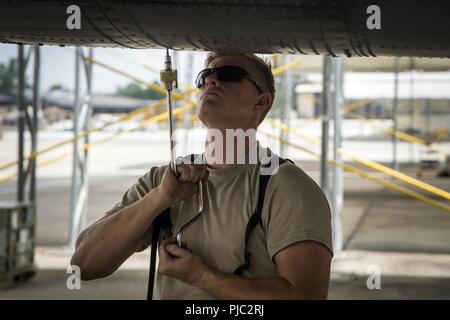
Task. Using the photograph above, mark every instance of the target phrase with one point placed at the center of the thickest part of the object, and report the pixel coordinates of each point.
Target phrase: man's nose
(211, 80)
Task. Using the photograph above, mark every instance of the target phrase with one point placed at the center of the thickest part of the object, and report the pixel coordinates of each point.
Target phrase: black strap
(256, 217)
(161, 222)
(263, 182)
(252, 223)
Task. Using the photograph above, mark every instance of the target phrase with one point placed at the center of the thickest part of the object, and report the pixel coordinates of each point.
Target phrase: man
(291, 249)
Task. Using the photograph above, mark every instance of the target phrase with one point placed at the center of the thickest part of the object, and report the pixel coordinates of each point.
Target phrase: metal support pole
(276, 131)
(338, 180)
(411, 107)
(26, 183)
(325, 124)
(427, 120)
(81, 119)
(395, 116)
(188, 114)
(34, 127)
(86, 126)
(27, 122)
(21, 126)
(288, 87)
(74, 188)
(175, 60)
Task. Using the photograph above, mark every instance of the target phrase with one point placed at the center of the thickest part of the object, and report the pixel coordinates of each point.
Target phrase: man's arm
(303, 269)
(106, 244)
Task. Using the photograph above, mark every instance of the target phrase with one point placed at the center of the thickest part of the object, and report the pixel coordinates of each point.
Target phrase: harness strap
(162, 222)
(256, 217)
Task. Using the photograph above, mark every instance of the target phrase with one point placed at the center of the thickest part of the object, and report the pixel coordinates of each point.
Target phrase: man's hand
(180, 263)
(186, 185)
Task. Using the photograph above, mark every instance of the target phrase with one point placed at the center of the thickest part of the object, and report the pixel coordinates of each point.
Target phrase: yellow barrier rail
(372, 164)
(125, 117)
(400, 134)
(86, 146)
(285, 67)
(156, 71)
(356, 104)
(347, 108)
(390, 131)
(160, 89)
(385, 183)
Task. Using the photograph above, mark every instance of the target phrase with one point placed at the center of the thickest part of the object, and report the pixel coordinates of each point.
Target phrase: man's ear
(264, 101)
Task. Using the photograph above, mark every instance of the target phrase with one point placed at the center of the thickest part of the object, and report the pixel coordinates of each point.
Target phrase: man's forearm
(226, 286)
(104, 246)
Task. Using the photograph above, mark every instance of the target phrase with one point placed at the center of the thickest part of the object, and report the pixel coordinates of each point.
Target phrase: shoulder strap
(162, 222)
(256, 218)
(263, 183)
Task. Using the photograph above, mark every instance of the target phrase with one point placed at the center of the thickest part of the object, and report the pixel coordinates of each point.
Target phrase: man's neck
(227, 147)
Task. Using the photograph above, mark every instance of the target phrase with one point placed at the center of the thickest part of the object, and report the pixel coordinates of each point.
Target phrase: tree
(57, 87)
(9, 76)
(136, 91)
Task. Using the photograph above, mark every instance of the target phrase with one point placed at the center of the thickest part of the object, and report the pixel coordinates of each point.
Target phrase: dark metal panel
(408, 28)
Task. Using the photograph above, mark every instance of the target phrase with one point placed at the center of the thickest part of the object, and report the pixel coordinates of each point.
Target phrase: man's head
(236, 104)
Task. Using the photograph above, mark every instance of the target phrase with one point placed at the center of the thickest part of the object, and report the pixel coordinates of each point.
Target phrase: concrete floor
(132, 284)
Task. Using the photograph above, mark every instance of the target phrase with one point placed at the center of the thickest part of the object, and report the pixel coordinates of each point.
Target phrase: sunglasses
(226, 74)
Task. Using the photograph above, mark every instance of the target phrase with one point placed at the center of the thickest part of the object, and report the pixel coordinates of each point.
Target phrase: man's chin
(210, 103)
(209, 109)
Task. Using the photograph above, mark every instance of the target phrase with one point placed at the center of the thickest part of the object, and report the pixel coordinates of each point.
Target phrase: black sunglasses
(226, 74)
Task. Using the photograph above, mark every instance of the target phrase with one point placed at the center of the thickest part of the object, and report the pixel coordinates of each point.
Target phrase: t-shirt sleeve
(295, 209)
(137, 191)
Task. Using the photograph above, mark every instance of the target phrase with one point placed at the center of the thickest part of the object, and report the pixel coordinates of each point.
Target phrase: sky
(58, 65)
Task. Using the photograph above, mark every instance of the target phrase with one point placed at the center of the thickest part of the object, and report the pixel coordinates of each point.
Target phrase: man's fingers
(186, 173)
(192, 173)
(201, 172)
(163, 254)
(163, 247)
(176, 250)
(205, 174)
(197, 175)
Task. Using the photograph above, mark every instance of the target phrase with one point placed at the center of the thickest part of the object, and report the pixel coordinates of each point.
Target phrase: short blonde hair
(262, 65)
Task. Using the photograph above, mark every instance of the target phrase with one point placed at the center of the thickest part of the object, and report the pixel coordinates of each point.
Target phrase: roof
(100, 102)
(65, 99)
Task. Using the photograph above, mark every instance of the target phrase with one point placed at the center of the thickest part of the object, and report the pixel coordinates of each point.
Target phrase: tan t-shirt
(295, 209)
